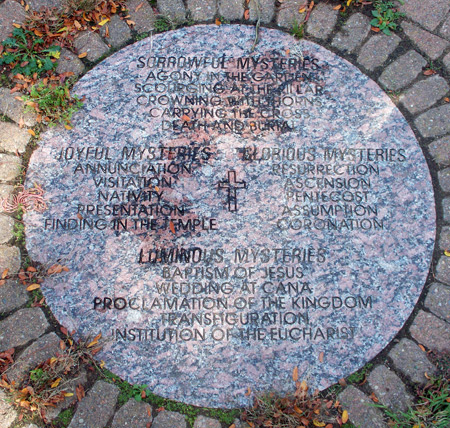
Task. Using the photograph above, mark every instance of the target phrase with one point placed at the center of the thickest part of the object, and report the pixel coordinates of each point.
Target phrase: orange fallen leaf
(55, 383)
(186, 118)
(342, 382)
(33, 287)
(317, 423)
(31, 269)
(232, 426)
(375, 29)
(429, 72)
(82, 55)
(295, 374)
(447, 99)
(80, 392)
(62, 345)
(30, 131)
(218, 21)
(5, 273)
(130, 22)
(172, 227)
(68, 394)
(68, 127)
(321, 357)
(344, 416)
(95, 341)
(374, 397)
(337, 7)
(139, 6)
(304, 386)
(17, 25)
(249, 391)
(288, 51)
(246, 14)
(298, 410)
(422, 347)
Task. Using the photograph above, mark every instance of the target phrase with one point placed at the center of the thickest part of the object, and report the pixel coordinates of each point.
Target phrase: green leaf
(48, 64)
(376, 13)
(387, 31)
(374, 22)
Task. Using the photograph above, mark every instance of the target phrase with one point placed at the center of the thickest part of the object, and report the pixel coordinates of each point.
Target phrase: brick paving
(396, 62)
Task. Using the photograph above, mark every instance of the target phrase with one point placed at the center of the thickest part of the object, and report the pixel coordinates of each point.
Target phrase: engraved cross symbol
(232, 186)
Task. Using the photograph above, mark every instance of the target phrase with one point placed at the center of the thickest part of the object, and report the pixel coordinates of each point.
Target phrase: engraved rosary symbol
(232, 186)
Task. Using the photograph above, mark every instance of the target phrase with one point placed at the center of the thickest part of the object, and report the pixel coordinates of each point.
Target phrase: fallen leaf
(321, 357)
(427, 375)
(55, 383)
(374, 397)
(304, 386)
(33, 287)
(295, 374)
(130, 22)
(103, 22)
(64, 331)
(80, 392)
(68, 127)
(447, 99)
(429, 72)
(344, 416)
(302, 9)
(2, 282)
(30, 131)
(298, 410)
(139, 6)
(218, 21)
(95, 341)
(342, 382)
(246, 14)
(422, 347)
(27, 8)
(17, 25)
(79, 216)
(172, 227)
(68, 394)
(375, 29)
(62, 345)
(82, 55)
(249, 391)
(186, 118)
(5, 273)
(31, 269)
(288, 51)
(232, 426)
(317, 423)
(337, 7)
(329, 426)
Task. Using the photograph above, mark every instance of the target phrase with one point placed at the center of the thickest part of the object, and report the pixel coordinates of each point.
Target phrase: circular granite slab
(229, 214)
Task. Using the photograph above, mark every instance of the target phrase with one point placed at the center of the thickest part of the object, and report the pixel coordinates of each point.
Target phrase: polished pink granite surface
(228, 214)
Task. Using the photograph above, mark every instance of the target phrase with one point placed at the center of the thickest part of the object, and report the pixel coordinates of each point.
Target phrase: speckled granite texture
(304, 203)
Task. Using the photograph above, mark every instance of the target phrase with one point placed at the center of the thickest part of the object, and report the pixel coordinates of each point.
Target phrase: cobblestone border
(396, 62)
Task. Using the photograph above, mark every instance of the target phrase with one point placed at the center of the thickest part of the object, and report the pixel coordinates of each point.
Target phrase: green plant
(162, 23)
(298, 30)
(385, 16)
(53, 103)
(360, 375)
(24, 53)
(431, 411)
(143, 393)
(64, 418)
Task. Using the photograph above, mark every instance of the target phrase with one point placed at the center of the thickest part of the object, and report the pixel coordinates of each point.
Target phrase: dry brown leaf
(321, 357)
(172, 227)
(422, 347)
(337, 7)
(5, 273)
(246, 14)
(249, 391)
(82, 55)
(94, 341)
(295, 374)
(55, 383)
(429, 72)
(375, 29)
(17, 25)
(80, 392)
(31, 269)
(32, 287)
(374, 397)
(130, 22)
(30, 131)
(139, 6)
(232, 426)
(218, 22)
(342, 382)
